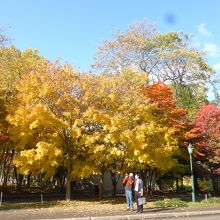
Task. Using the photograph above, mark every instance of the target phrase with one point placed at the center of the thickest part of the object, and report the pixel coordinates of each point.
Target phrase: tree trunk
(29, 181)
(17, 179)
(197, 189)
(69, 165)
(40, 180)
(114, 183)
(215, 182)
(20, 180)
(177, 184)
(144, 174)
(68, 180)
(5, 182)
(7, 166)
(69, 169)
(101, 185)
(151, 178)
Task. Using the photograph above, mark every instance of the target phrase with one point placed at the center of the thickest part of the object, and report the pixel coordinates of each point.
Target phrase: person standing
(139, 191)
(128, 181)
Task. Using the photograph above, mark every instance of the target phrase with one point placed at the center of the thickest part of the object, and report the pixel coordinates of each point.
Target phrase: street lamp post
(190, 150)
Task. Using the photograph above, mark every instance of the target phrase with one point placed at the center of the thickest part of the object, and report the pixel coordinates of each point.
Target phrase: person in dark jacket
(139, 191)
(128, 181)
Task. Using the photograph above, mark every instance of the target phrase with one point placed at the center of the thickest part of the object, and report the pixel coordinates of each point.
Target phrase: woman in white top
(139, 191)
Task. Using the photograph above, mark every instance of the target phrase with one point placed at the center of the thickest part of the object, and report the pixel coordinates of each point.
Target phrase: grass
(168, 203)
(108, 203)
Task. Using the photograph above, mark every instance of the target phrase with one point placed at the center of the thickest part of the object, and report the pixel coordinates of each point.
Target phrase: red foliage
(208, 122)
(217, 171)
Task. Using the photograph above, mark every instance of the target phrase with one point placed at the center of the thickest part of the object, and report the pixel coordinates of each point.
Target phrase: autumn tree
(92, 124)
(208, 122)
(215, 86)
(164, 57)
(45, 129)
(167, 57)
(110, 119)
(13, 64)
(126, 51)
(126, 127)
(175, 119)
(4, 39)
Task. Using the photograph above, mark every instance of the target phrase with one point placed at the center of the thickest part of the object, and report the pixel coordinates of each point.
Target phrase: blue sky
(71, 30)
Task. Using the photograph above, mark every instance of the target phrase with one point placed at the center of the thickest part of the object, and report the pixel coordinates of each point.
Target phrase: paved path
(67, 214)
(205, 217)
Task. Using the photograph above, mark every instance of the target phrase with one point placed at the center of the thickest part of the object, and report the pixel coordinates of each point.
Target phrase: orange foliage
(161, 95)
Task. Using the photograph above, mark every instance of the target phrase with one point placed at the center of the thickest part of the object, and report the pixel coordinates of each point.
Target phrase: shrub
(166, 203)
(205, 185)
(211, 200)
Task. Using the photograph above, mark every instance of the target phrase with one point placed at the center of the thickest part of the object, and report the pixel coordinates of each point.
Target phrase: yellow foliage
(45, 158)
(103, 119)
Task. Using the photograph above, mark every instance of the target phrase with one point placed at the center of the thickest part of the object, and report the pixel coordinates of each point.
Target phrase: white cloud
(217, 66)
(202, 30)
(211, 49)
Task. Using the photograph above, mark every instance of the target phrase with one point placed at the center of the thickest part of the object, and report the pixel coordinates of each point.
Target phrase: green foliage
(205, 185)
(167, 203)
(165, 182)
(191, 97)
(213, 200)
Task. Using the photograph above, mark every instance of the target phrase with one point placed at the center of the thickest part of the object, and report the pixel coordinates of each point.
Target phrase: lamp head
(190, 148)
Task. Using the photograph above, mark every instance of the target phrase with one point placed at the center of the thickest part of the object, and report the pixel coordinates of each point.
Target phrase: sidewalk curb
(144, 216)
